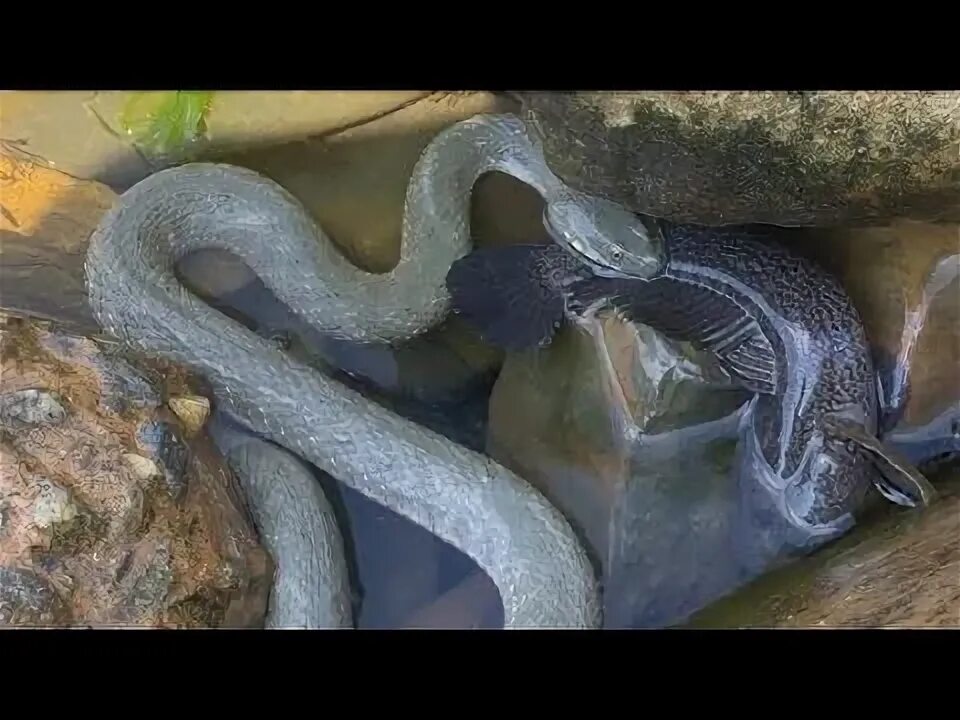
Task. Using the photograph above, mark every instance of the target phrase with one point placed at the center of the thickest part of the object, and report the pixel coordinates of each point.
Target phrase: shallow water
(656, 514)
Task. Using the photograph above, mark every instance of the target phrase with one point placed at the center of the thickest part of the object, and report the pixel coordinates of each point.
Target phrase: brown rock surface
(902, 570)
(631, 436)
(46, 218)
(786, 158)
(110, 516)
(472, 604)
(62, 130)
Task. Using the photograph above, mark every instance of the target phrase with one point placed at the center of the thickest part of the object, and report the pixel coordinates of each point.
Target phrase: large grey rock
(788, 158)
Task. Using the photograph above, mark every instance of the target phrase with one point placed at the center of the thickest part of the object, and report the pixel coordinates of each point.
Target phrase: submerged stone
(632, 436)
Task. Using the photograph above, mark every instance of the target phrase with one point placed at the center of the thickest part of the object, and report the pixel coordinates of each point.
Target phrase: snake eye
(282, 340)
(616, 254)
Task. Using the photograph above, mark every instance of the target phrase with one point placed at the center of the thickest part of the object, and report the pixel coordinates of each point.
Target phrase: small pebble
(52, 505)
(193, 411)
(144, 468)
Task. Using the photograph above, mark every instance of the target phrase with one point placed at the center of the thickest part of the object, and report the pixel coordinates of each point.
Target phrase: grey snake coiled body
(487, 512)
(297, 525)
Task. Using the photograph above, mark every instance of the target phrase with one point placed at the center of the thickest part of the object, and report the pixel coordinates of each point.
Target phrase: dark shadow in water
(400, 571)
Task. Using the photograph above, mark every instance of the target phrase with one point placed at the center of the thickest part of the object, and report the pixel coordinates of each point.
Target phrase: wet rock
(472, 604)
(904, 279)
(80, 132)
(64, 131)
(143, 467)
(123, 388)
(249, 117)
(90, 532)
(901, 570)
(52, 505)
(46, 217)
(786, 158)
(164, 440)
(26, 599)
(632, 436)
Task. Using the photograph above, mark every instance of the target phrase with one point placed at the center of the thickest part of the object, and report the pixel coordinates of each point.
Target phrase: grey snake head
(607, 238)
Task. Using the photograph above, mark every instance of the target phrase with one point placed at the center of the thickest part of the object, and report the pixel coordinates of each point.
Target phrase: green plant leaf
(166, 123)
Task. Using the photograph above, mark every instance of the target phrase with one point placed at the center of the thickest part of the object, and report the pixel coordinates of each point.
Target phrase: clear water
(655, 514)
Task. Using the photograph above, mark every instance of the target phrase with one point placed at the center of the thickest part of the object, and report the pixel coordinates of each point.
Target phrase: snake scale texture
(479, 507)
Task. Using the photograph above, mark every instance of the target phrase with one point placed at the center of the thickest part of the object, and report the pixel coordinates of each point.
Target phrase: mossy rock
(785, 158)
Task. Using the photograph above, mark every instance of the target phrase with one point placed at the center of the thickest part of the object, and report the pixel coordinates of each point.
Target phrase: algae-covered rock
(632, 436)
(108, 515)
(787, 158)
(902, 570)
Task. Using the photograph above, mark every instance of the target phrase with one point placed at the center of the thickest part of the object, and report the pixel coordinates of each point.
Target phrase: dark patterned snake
(493, 516)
